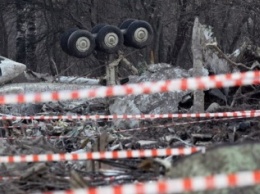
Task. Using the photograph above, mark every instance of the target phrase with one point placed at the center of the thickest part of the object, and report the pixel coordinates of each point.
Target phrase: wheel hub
(111, 39)
(141, 35)
(83, 44)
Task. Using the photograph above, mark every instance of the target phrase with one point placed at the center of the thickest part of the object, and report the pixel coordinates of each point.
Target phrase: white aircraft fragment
(10, 69)
(33, 76)
(78, 80)
(41, 87)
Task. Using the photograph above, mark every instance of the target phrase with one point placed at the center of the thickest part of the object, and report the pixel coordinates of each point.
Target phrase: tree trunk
(182, 30)
(197, 34)
(20, 27)
(3, 36)
(30, 38)
(93, 13)
(157, 39)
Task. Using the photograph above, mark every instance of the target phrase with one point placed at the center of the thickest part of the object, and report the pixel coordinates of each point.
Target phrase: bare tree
(21, 29)
(30, 37)
(40, 23)
(3, 32)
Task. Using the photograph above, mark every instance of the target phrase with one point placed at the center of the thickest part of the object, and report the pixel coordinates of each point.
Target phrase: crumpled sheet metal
(10, 69)
(158, 103)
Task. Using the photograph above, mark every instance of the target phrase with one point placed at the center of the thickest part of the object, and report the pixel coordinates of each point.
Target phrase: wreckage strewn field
(57, 145)
(46, 136)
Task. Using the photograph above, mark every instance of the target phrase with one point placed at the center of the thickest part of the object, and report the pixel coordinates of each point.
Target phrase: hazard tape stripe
(111, 178)
(118, 131)
(219, 181)
(246, 113)
(40, 136)
(100, 155)
(214, 81)
(177, 124)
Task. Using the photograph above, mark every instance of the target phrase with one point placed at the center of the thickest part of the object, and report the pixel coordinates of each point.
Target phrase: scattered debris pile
(159, 103)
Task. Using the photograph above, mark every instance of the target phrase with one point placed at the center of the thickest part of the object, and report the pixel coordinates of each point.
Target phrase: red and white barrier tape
(177, 124)
(219, 181)
(100, 155)
(104, 178)
(214, 81)
(119, 131)
(246, 113)
(40, 136)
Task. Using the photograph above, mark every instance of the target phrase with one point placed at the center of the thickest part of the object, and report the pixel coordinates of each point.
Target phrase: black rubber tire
(125, 24)
(101, 43)
(72, 43)
(129, 36)
(96, 28)
(64, 40)
(123, 27)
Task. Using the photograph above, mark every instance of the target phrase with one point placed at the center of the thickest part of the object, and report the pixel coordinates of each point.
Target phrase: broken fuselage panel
(10, 69)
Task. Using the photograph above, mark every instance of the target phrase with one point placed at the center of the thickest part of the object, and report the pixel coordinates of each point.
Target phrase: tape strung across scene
(165, 186)
(100, 155)
(108, 178)
(178, 124)
(118, 131)
(245, 114)
(214, 81)
(218, 181)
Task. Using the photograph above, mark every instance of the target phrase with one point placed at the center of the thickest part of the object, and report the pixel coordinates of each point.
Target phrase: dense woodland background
(30, 29)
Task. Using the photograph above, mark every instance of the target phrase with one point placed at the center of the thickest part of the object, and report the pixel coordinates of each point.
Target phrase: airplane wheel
(109, 39)
(139, 34)
(96, 28)
(123, 27)
(81, 43)
(125, 24)
(64, 40)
